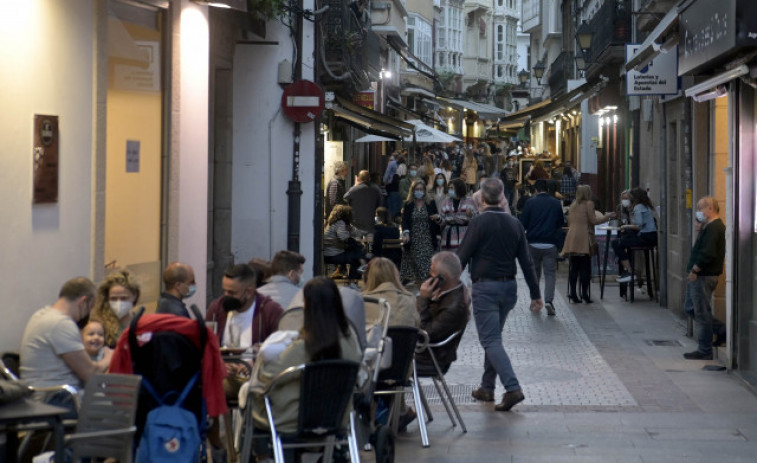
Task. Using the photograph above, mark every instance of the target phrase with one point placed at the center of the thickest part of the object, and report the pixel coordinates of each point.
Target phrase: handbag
(11, 391)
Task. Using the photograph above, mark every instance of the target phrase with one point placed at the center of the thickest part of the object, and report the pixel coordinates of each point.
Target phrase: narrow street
(604, 382)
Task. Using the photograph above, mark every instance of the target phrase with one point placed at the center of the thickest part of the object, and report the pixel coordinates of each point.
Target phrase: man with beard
(244, 318)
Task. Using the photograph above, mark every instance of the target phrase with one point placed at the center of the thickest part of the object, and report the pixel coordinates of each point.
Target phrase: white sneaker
(550, 309)
(624, 277)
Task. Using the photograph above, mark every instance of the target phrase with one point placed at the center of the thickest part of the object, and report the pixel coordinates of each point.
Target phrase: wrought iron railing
(610, 26)
(560, 71)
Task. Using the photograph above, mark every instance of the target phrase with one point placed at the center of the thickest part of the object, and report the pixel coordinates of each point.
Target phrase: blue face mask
(413, 173)
(192, 291)
(440, 181)
(419, 194)
(451, 193)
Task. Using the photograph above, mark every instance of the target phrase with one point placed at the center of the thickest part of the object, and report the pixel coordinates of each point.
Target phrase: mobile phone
(439, 279)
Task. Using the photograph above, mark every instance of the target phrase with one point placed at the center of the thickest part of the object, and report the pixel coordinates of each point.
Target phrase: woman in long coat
(580, 241)
(420, 226)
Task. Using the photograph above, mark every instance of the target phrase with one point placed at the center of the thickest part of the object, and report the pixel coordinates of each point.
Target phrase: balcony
(560, 71)
(531, 15)
(349, 46)
(611, 27)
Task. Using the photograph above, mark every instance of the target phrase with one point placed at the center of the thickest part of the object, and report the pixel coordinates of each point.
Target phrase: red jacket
(213, 369)
(264, 322)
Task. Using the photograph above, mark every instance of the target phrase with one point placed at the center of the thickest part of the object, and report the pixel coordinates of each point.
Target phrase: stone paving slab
(556, 363)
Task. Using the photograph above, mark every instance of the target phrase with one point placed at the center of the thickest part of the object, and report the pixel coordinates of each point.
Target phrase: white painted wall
(47, 69)
(191, 140)
(263, 147)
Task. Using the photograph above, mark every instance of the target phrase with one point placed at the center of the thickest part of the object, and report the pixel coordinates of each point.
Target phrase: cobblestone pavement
(556, 363)
(604, 382)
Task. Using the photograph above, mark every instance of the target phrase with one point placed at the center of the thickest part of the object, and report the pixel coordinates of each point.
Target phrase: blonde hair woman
(116, 297)
(382, 280)
(580, 242)
(469, 169)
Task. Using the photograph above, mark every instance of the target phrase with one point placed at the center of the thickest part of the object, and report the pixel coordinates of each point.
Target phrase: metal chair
(649, 258)
(106, 419)
(395, 379)
(326, 391)
(437, 376)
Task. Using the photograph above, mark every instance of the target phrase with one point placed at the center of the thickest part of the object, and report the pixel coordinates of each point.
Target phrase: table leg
(58, 435)
(608, 237)
(11, 445)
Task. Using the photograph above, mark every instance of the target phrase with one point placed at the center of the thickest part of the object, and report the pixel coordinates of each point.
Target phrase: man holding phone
(443, 307)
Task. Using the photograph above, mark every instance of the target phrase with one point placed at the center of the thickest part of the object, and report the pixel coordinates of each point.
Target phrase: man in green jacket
(704, 267)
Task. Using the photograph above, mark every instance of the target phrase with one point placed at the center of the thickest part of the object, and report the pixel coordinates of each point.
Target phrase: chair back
(109, 404)
(326, 390)
(391, 243)
(292, 319)
(9, 365)
(404, 340)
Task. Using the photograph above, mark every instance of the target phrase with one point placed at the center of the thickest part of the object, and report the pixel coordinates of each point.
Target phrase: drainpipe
(294, 190)
(662, 246)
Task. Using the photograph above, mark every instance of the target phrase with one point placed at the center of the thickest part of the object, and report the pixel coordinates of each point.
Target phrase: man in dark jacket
(336, 187)
(704, 268)
(180, 284)
(364, 198)
(443, 308)
(543, 220)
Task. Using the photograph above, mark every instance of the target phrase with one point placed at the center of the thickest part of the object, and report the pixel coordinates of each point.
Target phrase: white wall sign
(659, 77)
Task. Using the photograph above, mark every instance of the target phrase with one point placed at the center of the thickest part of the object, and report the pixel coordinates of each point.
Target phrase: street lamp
(539, 68)
(583, 36)
(581, 63)
(523, 77)
(384, 74)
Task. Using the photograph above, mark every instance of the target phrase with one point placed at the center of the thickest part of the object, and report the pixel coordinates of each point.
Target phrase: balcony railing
(560, 71)
(611, 26)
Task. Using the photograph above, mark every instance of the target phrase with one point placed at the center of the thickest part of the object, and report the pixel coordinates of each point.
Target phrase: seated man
(244, 318)
(52, 352)
(180, 284)
(443, 307)
(286, 269)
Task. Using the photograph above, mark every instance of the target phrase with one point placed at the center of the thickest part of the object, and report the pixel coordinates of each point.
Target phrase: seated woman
(116, 297)
(382, 280)
(386, 229)
(325, 335)
(339, 244)
(642, 231)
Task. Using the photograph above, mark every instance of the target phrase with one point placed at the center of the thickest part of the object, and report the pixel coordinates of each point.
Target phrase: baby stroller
(377, 357)
(169, 351)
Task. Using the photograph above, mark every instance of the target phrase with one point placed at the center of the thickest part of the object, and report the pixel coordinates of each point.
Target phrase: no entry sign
(302, 101)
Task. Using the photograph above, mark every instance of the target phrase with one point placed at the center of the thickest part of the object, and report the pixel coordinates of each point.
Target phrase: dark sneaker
(696, 355)
(509, 400)
(483, 395)
(550, 309)
(218, 454)
(624, 277)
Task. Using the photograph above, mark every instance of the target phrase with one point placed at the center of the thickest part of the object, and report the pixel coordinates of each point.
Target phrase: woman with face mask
(456, 211)
(640, 231)
(420, 227)
(116, 297)
(439, 190)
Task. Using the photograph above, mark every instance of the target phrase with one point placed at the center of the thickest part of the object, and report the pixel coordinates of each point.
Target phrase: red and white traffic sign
(302, 101)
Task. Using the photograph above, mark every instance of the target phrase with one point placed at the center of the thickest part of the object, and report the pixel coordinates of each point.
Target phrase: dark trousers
(580, 268)
(630, 240)
(351, 257)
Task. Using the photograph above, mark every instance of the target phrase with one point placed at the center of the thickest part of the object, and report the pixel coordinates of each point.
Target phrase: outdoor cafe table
(608, 237)
(15, 414)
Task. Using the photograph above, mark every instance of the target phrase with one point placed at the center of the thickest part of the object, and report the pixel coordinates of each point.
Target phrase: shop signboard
(711, 32)
(658, 77)
(366, 99)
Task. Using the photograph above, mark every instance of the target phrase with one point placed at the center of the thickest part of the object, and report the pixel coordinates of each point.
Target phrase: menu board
(46, 142)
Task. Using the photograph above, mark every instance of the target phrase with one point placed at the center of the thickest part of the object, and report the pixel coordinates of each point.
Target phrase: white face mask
(191, 292)
(700, 216)
(625, 202)
(121, 308)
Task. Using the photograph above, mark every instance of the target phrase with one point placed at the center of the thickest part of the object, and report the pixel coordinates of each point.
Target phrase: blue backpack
(171, 433)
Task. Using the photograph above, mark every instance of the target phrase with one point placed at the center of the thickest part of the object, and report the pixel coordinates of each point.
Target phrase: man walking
(704, 267)
(543, 220)
(493, 241)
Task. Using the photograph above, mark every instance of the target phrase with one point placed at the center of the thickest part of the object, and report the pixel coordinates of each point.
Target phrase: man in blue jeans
(493, 241)
(542, 218)
(705, 266)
